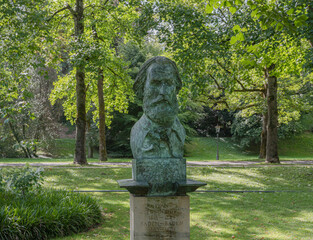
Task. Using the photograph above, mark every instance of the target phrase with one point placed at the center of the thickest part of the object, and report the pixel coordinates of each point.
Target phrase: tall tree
(95, 61)
(230, 46)
(80, 149)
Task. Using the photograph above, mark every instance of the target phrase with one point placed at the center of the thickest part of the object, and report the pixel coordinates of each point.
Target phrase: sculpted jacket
(150, 140)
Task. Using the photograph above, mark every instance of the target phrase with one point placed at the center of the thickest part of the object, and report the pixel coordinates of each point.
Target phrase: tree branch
(95, 6)
(67, 7)
(217, 84)
(249, 90)
(245, 107)
(243, 88)
(215, 101)
(111, 70)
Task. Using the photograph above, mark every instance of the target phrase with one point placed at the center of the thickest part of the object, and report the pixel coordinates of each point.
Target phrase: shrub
(46, 214)
(21, 180)
(28, 211)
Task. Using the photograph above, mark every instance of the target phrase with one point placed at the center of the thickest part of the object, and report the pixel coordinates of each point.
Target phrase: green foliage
(7, 144)
(21, 181)
(21, 24)
(135, 55)
(307, 121)
(97, 49)
(206, 123)
(224, 49)
(46, 214)
(247, 131)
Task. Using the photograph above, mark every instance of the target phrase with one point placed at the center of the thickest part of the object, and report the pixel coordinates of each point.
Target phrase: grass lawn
(204, 149)
(199, 149)
(277, 216)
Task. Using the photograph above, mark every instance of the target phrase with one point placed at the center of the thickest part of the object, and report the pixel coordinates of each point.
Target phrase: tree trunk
(102, 140)
(89, 138)
(262, 154)
(310, 16)
(17, 139)
(272, 134)
(90, 150)
(80, 151)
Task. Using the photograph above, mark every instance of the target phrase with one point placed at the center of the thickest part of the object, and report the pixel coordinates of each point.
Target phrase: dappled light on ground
(244, 216)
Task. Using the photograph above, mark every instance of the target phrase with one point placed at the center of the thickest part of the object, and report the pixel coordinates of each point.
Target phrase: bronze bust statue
(157, 139)
(158, 133)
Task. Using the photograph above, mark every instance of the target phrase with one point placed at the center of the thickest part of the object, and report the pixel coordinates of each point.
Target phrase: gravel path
(192, 164)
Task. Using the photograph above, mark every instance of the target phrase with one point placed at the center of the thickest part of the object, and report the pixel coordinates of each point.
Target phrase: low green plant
(21, 180)
(46, 214)
(28, 211)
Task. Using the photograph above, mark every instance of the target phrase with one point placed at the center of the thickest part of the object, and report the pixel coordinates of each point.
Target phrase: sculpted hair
(142, 75)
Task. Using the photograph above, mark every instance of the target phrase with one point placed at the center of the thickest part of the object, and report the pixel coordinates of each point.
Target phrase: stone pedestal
(159, 218)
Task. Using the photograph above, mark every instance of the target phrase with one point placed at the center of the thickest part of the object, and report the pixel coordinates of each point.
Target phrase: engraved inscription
(163, 218)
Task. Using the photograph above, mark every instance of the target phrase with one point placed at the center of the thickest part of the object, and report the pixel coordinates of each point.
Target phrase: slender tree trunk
(89, 139)
(102, 140)
(90, 150)
(80, 151)
(272, 134)
(17, 139)
(262, 154)
(310, 16)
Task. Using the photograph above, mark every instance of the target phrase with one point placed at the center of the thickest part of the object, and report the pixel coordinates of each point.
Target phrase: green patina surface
(162, 174)
(157, 139)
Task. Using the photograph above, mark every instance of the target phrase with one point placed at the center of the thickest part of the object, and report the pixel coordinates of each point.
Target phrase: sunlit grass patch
(246, 216)
(280, 215)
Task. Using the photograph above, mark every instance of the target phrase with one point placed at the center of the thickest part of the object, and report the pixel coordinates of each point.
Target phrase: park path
(189, 163)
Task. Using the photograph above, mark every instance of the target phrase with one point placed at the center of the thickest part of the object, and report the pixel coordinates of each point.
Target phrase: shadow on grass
(251, 216)
(279, 216)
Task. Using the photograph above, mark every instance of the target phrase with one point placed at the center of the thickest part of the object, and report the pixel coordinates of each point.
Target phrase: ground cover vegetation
(280, 215)
(234, 57)
(30, 211)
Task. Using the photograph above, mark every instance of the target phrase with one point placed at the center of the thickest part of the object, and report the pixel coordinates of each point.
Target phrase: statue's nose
(163, 89)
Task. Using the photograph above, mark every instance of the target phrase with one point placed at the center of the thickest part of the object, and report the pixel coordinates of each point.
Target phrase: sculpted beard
(161, 109)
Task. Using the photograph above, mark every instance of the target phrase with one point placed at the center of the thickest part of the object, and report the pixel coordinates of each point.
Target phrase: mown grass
(279, 216)
(296, 148)
(204, 149)
(199, 149)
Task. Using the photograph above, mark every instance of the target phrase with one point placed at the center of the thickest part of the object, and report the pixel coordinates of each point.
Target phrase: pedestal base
(159, 218)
